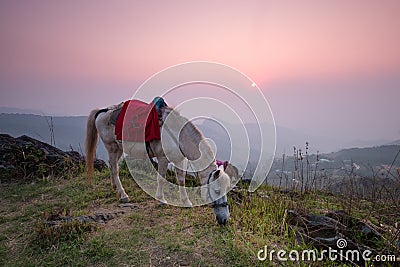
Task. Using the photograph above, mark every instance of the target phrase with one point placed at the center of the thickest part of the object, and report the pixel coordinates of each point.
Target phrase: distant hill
(396, 142)
(363, 162)
(69, 133)
(11, 110)
(379, 155)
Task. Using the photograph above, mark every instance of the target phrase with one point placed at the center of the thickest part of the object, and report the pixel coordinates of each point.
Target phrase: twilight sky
(327, 68)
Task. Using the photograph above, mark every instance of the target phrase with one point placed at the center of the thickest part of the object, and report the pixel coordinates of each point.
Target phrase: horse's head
(217, 186)
(201, 156)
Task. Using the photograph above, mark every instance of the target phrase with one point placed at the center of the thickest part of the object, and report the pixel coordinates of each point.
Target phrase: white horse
(189, 141)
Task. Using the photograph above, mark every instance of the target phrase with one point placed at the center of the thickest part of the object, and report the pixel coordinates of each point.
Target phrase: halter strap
(214, 205)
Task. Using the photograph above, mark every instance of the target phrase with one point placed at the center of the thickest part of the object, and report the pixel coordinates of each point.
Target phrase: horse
(187, 142)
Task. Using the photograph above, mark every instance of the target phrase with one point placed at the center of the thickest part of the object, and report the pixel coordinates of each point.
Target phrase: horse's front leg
(114, 155)
(162, 171)
(180, 175)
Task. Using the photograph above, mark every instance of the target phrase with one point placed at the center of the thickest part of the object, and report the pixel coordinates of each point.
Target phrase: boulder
(25, 158)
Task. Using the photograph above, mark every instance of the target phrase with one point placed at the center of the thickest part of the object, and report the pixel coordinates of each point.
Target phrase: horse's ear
(217, 173)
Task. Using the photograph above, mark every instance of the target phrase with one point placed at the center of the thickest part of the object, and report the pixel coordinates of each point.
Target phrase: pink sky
(314, 60)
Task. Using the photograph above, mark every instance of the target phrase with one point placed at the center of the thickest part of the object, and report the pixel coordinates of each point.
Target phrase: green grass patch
(151, 235)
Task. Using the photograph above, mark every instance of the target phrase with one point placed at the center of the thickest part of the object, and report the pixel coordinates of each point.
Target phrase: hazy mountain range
(69, 133)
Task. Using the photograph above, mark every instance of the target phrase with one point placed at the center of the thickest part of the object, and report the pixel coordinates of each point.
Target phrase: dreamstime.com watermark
(340, 254)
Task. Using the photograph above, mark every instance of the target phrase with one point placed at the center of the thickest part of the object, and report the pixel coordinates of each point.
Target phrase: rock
(25, 158)
(328, 230)
(128, 205)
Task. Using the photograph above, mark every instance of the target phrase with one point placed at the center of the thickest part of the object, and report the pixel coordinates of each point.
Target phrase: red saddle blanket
(137, 122)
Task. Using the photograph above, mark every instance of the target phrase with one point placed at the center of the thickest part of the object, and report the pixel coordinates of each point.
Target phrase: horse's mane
(193, 131)
(189, 129)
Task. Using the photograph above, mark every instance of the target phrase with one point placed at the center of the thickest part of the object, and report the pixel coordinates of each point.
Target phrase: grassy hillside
(147, 234)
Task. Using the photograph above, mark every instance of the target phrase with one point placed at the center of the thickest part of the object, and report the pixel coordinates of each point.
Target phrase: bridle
(214, 204)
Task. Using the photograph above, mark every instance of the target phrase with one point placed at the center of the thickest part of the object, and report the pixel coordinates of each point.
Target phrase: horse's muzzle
(221, 220)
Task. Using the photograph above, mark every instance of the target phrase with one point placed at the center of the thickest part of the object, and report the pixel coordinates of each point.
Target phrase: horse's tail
(90, 144)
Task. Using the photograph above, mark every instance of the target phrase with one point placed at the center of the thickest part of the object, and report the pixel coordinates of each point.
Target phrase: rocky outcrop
(58, 218)
(342, 232)
(25, 158)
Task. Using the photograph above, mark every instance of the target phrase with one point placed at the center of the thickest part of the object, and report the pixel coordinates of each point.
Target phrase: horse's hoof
(124, 200)
(162, 203)
(187, 204)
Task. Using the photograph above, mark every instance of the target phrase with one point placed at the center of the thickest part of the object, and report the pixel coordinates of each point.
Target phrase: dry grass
(149, 234)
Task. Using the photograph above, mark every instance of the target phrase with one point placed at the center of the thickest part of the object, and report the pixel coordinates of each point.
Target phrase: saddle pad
(137, 122)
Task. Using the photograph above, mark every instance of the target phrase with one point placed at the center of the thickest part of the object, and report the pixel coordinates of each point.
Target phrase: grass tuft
(47, 235)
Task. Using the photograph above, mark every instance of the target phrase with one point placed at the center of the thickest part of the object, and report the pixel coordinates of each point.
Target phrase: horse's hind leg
(119, 154)
(180, 175)
(114, 153)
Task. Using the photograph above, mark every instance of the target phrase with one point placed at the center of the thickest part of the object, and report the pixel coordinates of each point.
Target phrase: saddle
(115, 113)
(138, 121)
